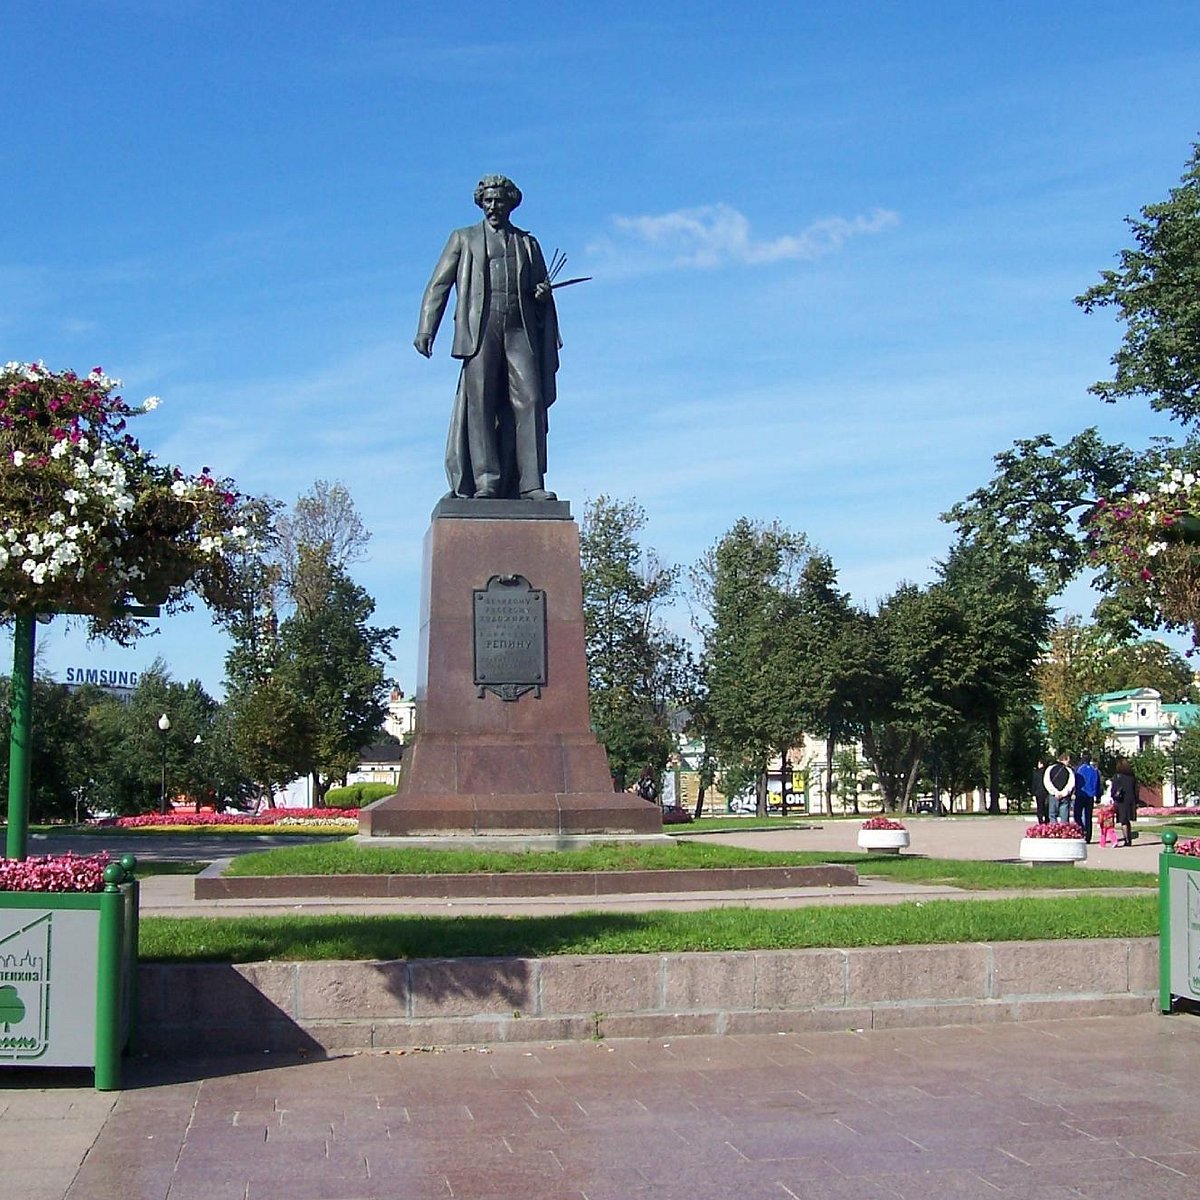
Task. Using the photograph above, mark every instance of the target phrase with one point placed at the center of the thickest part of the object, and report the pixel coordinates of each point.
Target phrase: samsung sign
(101, 677)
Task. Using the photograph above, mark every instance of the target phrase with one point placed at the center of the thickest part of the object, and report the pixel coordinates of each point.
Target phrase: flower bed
(54, 873)
(1188, 846)
(1184, 810)
(337, 817)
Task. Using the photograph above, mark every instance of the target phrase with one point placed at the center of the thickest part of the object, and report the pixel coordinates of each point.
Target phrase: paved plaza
(1100, 1109)
(976, 837)
(1046, 1110)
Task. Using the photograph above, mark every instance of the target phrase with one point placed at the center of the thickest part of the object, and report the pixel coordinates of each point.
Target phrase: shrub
(357, 795)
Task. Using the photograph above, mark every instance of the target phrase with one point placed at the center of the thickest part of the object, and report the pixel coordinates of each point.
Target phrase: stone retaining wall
(522, 884)
(389, 1005)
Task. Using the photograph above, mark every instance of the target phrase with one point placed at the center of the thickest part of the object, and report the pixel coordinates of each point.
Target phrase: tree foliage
(919, 660)
(1093, 504)
(322, 530)
(306, 693)
(67, 746)
(1007, 616)
(1156, 294)
(754, 664)
(638, 670)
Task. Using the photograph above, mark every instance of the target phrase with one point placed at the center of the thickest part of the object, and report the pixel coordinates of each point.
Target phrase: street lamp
(164, 725)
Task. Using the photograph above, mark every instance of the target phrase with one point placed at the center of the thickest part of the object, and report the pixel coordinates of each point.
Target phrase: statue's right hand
(424, 344)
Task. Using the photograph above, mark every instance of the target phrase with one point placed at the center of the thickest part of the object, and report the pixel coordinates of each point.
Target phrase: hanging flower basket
(92, 524)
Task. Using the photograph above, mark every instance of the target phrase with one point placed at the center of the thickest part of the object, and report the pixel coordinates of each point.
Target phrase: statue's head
(498, 183)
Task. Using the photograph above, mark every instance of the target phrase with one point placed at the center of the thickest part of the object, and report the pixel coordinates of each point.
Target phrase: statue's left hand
(543, 291)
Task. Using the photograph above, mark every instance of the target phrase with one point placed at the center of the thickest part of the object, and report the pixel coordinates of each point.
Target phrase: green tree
(333, 664)
(1156, 293)
(746, 586)
(1007, 615)
(956, 760)
(1088, 503)
(322, 530)
(1186, 761)
(825, 673)
(919, 661)
(638, 671)
(66, 745)
(127, 773)
(306, 691)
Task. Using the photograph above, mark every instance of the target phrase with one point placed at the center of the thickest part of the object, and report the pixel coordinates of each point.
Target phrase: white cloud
(717, 233)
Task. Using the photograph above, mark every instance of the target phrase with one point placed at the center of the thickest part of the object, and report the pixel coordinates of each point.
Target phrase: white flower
(60, 449)
(150, 403)
(18, 457)
(179, 488)
(1155, 548)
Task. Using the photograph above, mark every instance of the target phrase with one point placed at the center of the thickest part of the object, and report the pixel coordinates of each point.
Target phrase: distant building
(1137, 719)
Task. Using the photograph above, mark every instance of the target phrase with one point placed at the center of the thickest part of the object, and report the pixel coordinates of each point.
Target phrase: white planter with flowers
(880, 835)
(1058, 842)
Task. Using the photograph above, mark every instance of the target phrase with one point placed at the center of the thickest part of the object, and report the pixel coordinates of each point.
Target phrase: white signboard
(48, 962)
(1185, 935)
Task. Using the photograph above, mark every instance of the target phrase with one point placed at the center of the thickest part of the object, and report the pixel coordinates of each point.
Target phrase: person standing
(1041, 797)
(1087, 788)
(1125, 797)
(1060, 786)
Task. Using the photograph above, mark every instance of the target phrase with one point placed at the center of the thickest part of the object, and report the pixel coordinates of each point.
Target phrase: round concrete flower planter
(1053, 850)
(883, 841)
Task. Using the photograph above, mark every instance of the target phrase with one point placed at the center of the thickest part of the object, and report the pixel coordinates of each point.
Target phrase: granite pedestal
(480, 764)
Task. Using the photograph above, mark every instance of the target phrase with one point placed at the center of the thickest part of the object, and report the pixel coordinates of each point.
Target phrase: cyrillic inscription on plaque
(510, 637)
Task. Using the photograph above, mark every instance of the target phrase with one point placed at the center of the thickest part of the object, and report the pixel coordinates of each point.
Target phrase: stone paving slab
(1050, 1110)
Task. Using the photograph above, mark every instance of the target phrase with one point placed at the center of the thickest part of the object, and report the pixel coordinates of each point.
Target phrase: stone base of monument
(503, 745)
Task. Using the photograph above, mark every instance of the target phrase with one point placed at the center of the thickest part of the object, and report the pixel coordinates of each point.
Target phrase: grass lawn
(290, 939)
(344, 858)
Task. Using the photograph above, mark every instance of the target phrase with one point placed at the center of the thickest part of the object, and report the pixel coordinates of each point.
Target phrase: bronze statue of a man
(506, 334)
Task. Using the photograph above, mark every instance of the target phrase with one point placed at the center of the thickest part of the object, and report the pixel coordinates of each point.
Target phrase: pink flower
(882, 822)
(1065, 830)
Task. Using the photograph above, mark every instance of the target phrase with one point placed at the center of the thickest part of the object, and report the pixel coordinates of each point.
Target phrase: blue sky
(834, 247)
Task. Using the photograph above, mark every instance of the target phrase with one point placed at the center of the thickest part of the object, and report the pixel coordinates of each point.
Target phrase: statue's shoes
(538, 494)
(487, 496)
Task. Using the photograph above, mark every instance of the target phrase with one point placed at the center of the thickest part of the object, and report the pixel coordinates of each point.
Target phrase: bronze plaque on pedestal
(510, 637)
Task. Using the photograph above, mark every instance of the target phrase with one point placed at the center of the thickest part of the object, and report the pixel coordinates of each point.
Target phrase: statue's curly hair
(497, 181)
